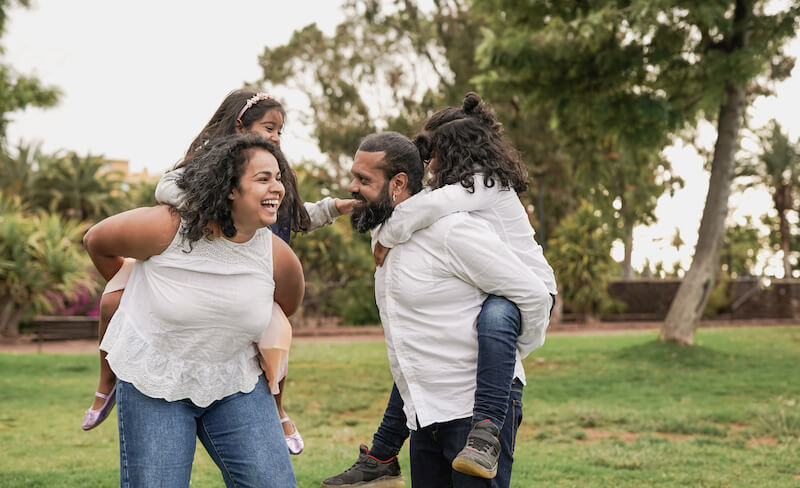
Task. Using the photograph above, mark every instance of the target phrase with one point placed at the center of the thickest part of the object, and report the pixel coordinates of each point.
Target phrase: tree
(77, 187)
(639, 71)
(777, 168)
(580, 253)
(17, 169)
(18, 91)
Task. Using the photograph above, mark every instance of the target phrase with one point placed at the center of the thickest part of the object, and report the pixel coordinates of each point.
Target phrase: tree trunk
(627, 269)
(784, 231)
(9, 319)
(687, 307)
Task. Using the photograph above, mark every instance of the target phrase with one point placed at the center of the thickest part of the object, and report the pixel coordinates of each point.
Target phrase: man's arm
(138, 233)
(478, 256)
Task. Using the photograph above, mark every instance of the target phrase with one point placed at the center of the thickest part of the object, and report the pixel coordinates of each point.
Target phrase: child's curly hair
(215, 171)
(470, 140)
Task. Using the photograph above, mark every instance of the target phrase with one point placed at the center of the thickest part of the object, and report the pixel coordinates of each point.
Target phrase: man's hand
(345, 207)
(380, 253)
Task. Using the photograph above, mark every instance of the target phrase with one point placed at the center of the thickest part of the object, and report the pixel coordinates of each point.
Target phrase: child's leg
(393, 431)
(109, 303)
(499, 325)
(498, 329)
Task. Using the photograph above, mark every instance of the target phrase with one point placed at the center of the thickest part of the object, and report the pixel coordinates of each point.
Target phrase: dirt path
(26, 345)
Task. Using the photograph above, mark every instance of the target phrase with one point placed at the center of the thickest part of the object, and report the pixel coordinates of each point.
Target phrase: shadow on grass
(669, 353)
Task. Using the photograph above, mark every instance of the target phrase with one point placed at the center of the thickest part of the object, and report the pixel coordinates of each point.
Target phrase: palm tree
(16, 170)
(777, 168)
(39, 254)
(77, 187)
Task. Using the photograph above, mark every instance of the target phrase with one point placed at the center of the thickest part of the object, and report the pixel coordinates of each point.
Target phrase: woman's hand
(345, 207)
(380, 253)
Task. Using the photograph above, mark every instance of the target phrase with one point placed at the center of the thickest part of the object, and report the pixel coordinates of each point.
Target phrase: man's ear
(399, 183)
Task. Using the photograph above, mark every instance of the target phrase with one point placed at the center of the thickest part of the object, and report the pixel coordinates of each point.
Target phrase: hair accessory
(252, 101)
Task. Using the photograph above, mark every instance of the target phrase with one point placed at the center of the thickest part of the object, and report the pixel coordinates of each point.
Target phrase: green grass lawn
(600, 411)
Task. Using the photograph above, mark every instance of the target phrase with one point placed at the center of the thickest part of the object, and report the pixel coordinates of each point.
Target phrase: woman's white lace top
(188, 321)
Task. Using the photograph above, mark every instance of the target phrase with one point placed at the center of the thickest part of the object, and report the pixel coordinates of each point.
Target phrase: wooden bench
(64, 328)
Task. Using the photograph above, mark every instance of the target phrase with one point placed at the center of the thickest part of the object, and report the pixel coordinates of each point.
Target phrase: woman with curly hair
(200, 294)
(242, 111)
(473, 168)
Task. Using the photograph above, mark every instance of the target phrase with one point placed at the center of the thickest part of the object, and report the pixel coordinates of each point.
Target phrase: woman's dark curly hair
(469, 140)
(211, 177)
(223, 123)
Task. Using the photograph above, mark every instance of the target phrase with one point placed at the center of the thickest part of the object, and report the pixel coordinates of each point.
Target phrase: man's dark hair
(400, 156)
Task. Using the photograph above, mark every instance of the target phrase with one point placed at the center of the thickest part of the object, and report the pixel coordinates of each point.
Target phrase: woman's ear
(233, 194)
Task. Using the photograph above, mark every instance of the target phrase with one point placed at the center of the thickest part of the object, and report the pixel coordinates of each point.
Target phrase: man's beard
(369, 216)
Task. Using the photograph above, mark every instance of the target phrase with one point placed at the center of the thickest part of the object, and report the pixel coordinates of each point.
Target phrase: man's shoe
(479, 457)
(368, 472)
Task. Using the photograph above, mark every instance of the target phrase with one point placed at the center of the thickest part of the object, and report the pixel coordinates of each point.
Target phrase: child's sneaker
(479, 456)
(368, 472)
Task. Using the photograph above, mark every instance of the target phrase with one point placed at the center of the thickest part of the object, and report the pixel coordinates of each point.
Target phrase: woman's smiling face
(260, 192)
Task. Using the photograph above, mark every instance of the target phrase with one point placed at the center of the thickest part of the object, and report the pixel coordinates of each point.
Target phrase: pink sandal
(293, 440)
(93, 418)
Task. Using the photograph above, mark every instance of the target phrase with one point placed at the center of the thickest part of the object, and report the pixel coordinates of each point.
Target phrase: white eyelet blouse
(188, 320)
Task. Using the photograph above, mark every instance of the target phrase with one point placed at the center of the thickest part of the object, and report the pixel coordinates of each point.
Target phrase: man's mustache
(358, 197)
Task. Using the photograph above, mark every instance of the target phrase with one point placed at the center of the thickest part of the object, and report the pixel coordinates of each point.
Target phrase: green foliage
(777, 167)
(140, 194)
(40, 254)
(580, 253)
(740, 248)
(77, 187)
(624, 77)
(337, 261)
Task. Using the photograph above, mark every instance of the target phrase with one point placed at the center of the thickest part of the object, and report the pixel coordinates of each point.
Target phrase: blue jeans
(241, 433)
(434, 447)
(498, 328)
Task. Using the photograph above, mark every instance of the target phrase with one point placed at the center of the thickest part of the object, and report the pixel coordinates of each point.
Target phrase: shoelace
(481, 445)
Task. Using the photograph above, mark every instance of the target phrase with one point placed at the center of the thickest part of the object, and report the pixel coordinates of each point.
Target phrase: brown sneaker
(479, 456)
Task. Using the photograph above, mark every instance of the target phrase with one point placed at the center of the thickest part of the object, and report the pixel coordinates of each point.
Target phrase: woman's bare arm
(138, 233)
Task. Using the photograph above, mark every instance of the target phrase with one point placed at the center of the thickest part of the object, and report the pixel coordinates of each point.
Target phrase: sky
(140, 79)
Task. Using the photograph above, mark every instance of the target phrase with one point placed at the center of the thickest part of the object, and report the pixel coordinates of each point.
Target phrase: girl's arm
(427, 207)
(325, 211)
(288, 275)
(138, 233)
(167, 190)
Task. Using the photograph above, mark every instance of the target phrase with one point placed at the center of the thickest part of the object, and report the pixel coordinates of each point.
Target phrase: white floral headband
(252, 101)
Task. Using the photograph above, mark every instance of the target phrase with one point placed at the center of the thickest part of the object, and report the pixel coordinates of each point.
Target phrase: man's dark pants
(434, 447)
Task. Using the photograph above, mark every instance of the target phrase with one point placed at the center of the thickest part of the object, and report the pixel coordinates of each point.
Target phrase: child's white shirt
(499, 207)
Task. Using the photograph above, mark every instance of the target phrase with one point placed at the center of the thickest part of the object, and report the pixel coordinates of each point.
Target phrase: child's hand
(380, 253)
(345, 207)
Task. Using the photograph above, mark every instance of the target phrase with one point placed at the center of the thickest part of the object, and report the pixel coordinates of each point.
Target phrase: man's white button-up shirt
(429, 292)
